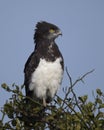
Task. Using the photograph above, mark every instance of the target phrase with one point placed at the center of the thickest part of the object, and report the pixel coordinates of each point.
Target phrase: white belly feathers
(48, 75)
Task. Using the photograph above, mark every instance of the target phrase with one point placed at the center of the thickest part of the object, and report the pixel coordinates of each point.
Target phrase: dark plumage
(42, 66)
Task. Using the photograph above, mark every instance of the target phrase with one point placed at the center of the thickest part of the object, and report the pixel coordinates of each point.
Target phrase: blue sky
(82, 43)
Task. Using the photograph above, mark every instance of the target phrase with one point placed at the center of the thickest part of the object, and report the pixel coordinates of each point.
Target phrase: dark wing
(30, 67)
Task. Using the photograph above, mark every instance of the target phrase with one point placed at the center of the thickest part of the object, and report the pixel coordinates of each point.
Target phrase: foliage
(67, 113)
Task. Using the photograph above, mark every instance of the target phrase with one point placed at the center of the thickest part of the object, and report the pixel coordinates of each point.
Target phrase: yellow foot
(44, 102)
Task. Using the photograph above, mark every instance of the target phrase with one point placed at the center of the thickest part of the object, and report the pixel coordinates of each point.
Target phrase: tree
(67, 113)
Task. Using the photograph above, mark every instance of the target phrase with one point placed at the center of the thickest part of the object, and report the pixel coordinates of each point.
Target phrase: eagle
(43, 71)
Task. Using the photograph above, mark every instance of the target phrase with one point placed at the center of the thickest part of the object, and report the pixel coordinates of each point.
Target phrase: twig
(81, 78)
(3, 116)
(70, 89)
(73, 84)
(77, 115)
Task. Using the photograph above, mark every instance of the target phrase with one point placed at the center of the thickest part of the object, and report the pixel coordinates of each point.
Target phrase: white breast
(48, 75)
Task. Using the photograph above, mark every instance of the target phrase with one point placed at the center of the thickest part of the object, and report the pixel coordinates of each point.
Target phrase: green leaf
(14, 122)
(99, 92)
(83, 99)
(59, 100)
(4, 86)
(101, 106)
(98, 100)
(100, 115)
(7, 126)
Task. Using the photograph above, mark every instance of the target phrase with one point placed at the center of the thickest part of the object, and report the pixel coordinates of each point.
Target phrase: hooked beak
(59, 32)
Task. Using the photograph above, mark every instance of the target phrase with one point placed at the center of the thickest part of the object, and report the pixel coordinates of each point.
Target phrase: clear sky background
(82, 43)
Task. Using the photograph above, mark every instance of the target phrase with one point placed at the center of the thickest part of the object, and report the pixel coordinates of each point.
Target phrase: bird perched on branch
(44, 68)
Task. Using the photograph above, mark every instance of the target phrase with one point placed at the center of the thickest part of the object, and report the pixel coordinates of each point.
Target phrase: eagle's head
(45, 30)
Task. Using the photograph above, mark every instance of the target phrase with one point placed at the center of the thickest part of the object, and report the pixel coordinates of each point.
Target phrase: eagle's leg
(44, 102)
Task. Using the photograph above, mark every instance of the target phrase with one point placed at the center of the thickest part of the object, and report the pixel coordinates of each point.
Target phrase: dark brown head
(47, 31)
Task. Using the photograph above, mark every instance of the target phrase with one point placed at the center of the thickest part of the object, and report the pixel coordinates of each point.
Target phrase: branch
(73, 84)
(81, 78)
(70, 89)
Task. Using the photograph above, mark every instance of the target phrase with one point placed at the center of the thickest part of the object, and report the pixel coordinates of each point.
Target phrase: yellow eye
(51, 30)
